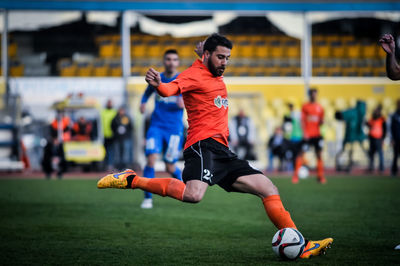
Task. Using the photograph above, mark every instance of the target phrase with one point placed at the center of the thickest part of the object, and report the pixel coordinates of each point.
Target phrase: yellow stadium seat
(67, 68)
(246, 50)
(381, 53)
(276, 49)
(366, 71)
(138, 50)
(153, 47)
(84, 69)
(16, 69)
(115, 38)
(338, 49)
(332, 38)
(261, 49)
(353, 49)
(257, 71)
(100, 69)
(369, 50)
(136, 70)
(107, 49)
(242, 71)
(322, 50)
(12, 49)
(292, 49)
(115, 70)
(350, 72)
(317, 38)
(379, 72)
(319, 71)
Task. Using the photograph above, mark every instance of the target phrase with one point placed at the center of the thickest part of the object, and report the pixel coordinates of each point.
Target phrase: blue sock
(177, 174)
(149, 173)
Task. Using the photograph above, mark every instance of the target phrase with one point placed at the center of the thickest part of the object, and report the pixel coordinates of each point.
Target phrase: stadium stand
(253, 55)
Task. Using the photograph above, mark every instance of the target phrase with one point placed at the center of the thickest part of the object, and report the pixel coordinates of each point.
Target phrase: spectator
(107, 115)
(53, 158)
(377, 133)
(277, 145)
(122, 130)
(292, 125)
(60, 127)
(82, 130)
(395, 132)
(242, 136)
(354, 119)
(293, 133)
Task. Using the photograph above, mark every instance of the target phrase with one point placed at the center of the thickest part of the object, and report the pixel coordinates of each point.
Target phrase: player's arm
(199, 49)
(145, 97)
(153, 78)
(180, 102)
(392, 67)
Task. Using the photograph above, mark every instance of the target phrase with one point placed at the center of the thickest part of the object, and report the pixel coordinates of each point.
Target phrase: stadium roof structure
(253, 6)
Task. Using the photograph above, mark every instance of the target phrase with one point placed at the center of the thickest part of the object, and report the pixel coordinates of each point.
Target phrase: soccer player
(208, 160)
(312, 117)
(392, 67)
(165, 133)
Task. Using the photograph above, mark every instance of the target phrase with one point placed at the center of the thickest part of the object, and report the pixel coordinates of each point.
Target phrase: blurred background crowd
(71, 98)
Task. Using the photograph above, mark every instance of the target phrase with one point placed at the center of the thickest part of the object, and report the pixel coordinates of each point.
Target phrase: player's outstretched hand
(199, 48)
(153, 77)
(387, 42)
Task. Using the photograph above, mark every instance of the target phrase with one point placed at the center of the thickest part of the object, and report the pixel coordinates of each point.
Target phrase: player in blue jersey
(165, 133)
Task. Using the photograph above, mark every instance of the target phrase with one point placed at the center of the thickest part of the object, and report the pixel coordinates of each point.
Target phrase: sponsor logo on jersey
(219, 102)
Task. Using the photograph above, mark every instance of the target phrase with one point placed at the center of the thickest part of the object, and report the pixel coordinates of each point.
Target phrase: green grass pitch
(72, 222)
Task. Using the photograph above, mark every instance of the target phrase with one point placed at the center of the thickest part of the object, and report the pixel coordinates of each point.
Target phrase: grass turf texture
(72, 222)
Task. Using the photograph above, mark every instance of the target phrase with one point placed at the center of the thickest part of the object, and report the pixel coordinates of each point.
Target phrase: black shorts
(317, 143)
(213, 163)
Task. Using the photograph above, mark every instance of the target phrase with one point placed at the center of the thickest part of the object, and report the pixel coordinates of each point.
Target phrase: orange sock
(298, 164)
(320, 169)
(277, 213)
(170, 187)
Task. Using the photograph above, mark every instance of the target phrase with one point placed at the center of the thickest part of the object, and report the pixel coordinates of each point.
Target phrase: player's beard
(216, 71)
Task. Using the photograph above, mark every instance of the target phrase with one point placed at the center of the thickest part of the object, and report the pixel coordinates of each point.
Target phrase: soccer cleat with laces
(118, 180)
(316, 248)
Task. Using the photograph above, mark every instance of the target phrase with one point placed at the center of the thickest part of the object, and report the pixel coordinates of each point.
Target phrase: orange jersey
(312, 116)
(206, 103)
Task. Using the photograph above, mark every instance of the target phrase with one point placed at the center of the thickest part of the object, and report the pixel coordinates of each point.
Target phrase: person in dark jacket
(53, 158)
(242, 136)
(395, 132)
(122, 129)
(377, 133)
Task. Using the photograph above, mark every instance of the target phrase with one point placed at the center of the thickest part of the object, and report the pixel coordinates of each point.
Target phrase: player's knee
(269, 190)
(192, 196)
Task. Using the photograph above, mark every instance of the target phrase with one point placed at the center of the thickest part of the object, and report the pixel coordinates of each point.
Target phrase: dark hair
(311, 90)
(215, 40)
(171, 51)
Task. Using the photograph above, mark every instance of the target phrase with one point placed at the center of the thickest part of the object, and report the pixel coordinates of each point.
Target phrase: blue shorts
(160, 140)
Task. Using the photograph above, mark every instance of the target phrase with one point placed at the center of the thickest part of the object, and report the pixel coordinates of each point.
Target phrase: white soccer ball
(303, 172)
(288, 243)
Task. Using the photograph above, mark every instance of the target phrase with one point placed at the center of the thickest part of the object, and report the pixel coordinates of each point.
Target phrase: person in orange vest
(377, 133)
(82, 130)
(61, 123)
